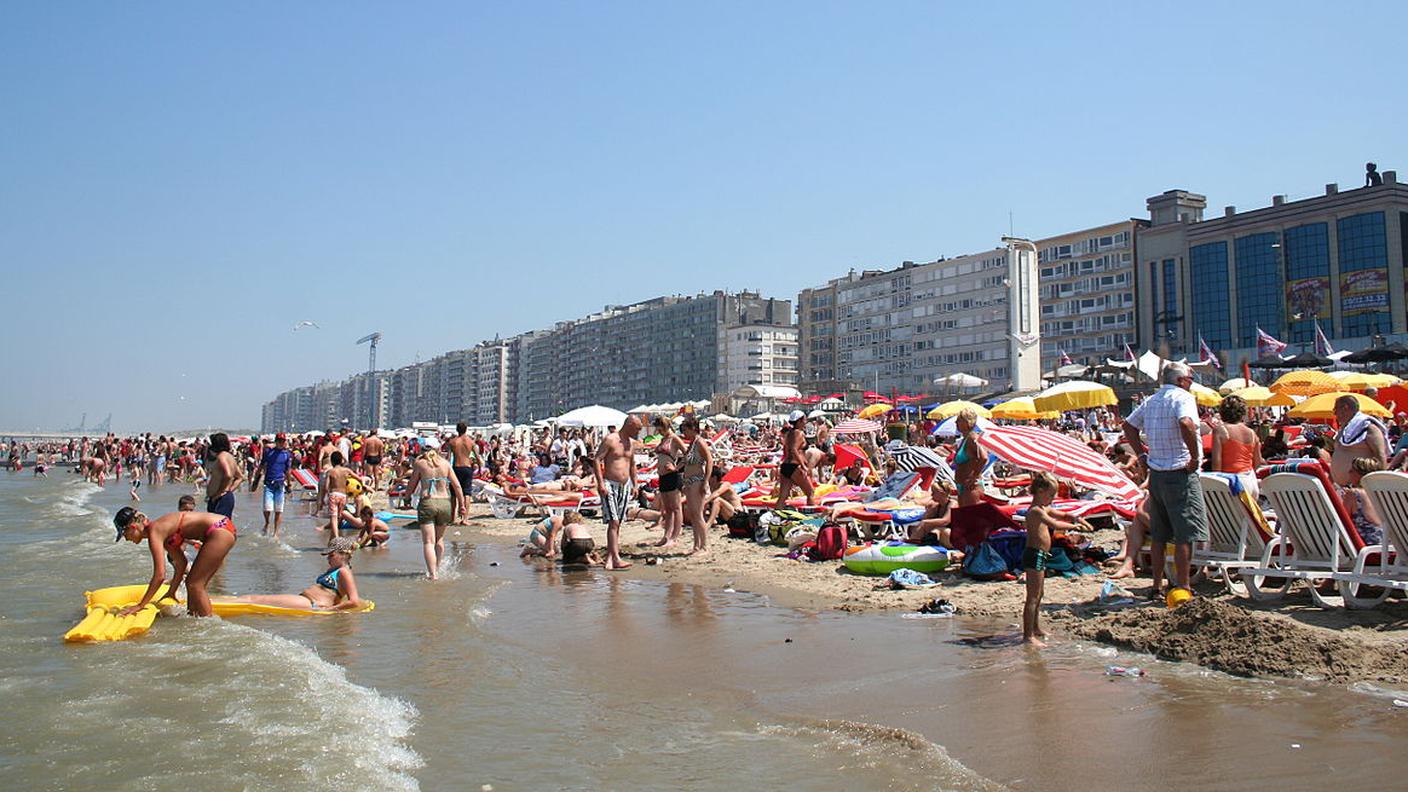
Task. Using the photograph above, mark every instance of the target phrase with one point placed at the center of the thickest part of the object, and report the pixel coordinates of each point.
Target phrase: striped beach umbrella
(1061, 455)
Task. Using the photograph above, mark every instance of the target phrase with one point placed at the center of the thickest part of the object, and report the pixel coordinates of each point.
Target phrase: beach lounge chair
(503, 506)
(1388, 491)
(1237, 536)
(1317, 540)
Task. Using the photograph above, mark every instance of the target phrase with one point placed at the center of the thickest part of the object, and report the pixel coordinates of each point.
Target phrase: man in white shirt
(1169, 420)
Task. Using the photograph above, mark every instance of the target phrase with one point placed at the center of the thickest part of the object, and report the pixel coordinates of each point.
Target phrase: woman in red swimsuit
(165, 536)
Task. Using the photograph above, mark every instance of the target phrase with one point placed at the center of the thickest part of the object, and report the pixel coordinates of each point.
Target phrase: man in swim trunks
(225, 477)
(373, 448)
(336, 486)
(615, 474)
(464, 458)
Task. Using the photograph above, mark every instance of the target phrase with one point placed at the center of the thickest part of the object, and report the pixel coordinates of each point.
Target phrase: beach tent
(594, 417)
(961, 380)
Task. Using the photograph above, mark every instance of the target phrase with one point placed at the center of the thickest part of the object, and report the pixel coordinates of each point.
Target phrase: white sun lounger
(1388, 491)
(1314, 543)
(1234, 540)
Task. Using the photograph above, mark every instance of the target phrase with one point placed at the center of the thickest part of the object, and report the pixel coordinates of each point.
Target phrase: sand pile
(1228, 638)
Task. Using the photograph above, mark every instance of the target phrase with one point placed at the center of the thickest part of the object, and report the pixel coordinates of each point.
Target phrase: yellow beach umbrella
(1207, 397)
(1021, 409)
(1235, 384)
(1322, 407)
(950, 409)
(1306, 382)
(1257, 396)
(1362, 380)
(1074, 395)
(874, 410)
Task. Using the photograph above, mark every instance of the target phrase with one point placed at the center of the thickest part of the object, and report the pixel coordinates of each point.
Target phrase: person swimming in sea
(335, 589)
(165, 537)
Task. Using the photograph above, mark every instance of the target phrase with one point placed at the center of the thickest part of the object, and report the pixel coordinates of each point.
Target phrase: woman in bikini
(165, 537)
(437, 484)
(972, 518)
(335, 589)
(668, 456)
(697, 463)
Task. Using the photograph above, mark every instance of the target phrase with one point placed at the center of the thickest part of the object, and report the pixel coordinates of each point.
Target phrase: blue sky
(184, 182)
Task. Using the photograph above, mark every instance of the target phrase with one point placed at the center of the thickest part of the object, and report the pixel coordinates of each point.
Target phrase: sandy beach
(1290, 638)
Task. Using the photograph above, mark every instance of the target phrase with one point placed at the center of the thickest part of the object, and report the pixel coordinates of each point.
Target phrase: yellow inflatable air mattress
(103, 624)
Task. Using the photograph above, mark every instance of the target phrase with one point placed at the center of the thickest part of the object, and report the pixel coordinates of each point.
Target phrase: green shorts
(433, 510)
(1176, 510)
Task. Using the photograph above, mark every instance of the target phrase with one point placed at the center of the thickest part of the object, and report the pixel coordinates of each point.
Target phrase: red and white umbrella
(1061, 455)
(856, 426)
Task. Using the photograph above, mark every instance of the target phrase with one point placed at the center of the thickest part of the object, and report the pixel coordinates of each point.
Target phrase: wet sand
(1290, 638)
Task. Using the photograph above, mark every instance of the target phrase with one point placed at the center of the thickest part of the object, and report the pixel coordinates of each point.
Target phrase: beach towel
(1358, 428)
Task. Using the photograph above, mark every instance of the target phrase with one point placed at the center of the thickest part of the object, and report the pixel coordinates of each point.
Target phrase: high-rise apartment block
(675, 348)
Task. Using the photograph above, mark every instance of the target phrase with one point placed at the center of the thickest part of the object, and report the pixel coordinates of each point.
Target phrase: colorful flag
(1129, 353)
(1206, 354)
(1065, 359)
(1267, 344)
(1322, 344)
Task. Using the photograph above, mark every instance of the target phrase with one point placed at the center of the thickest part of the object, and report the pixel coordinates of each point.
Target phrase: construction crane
(374, 338)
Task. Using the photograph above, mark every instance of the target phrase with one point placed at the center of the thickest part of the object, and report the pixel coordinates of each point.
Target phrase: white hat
(795, 416)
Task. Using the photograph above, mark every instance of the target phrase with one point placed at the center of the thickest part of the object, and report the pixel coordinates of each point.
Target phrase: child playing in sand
(1041, 521)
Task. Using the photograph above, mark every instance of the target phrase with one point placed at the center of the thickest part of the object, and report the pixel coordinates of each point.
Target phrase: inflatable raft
(103, 624)
(882, 558)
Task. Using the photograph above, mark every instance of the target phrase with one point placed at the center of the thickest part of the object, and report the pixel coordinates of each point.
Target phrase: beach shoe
(939, 606)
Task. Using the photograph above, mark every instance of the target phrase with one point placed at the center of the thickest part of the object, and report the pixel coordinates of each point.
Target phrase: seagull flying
(306, 323)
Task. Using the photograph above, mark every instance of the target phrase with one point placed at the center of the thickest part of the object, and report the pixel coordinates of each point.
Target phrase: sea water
(518, 675)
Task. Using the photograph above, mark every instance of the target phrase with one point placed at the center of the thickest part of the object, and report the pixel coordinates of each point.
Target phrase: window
(1207, 266)
(1363, 249)
(1170, 289)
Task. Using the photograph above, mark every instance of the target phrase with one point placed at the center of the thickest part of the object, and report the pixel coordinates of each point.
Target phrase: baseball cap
(795, 416)
(122, 519)
(280, 437)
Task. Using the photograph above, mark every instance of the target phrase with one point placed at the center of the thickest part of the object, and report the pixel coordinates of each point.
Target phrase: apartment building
(1088, 293)
(904, 328)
